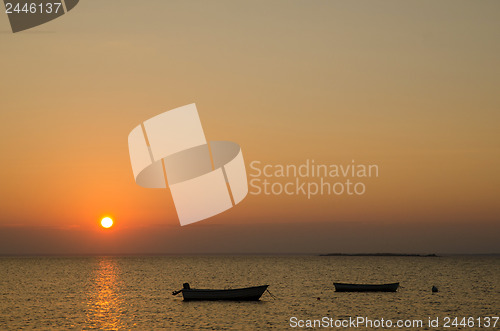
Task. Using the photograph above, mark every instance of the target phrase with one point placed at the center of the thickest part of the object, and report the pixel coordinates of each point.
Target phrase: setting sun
(107, 222)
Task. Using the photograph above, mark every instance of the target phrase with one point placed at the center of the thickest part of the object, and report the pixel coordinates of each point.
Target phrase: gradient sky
(411, 86)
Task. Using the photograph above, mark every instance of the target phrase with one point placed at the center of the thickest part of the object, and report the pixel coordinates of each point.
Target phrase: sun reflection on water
(104, 301)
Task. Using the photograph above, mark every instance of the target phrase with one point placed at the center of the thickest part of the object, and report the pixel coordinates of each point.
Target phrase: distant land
(379, 254)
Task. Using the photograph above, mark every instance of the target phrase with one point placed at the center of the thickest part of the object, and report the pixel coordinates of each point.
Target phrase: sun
(107, 222)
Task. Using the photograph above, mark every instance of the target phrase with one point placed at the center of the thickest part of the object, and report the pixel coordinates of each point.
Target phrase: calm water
(134, 292)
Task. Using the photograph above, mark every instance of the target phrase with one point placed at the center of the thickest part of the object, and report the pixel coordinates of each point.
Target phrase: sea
(135, 293)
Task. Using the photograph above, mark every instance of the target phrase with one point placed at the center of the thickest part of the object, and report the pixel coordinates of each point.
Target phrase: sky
(409, 86)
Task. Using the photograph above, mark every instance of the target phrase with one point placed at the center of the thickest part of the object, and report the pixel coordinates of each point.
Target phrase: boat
(342, 287)
(238, 294)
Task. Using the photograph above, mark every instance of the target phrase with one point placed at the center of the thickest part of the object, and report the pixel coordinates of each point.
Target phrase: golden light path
(107, 222)
(105, 302)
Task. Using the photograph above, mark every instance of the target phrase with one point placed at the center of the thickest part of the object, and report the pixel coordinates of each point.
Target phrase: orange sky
(410, 86)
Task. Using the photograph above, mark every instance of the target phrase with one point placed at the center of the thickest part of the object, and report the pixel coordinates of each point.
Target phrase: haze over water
(135, 292)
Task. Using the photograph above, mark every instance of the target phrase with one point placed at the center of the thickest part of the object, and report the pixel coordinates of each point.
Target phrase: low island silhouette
(378, 254)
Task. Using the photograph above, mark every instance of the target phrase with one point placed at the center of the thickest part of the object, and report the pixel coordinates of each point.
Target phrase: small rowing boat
(238, 294)
(342, 287)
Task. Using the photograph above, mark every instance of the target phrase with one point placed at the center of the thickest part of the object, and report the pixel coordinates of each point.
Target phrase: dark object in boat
(238, 294)
(342, 287)
(434, 289)
(185, 286)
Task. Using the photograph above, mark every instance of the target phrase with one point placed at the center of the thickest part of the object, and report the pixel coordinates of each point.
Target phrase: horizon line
(246, 254)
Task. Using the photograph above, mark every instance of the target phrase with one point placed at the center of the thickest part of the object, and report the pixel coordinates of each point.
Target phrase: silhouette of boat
(238, 294)
(342, 287)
